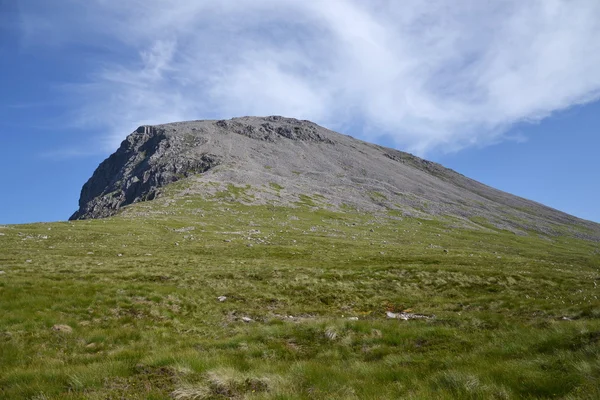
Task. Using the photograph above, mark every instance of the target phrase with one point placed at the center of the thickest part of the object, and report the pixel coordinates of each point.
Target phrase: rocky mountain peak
(154, 156)
(305, 159)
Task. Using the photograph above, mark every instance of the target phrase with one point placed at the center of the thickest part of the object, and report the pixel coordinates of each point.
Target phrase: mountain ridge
(305, 158)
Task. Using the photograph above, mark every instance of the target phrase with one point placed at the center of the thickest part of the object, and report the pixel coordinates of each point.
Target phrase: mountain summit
(282, 159)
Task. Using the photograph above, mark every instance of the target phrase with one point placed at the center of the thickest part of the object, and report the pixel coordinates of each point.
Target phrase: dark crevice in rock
(145, 161)
(275, 128)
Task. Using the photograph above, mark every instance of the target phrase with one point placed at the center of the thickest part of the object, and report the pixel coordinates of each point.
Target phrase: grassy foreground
(128, 308)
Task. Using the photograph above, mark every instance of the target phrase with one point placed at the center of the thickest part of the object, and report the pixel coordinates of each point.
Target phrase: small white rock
(353, 318)
(62, 328)
(222, 298)
(247, 319)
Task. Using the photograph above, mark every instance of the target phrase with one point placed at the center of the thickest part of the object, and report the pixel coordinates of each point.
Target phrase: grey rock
(62, 328)
(305, 158)
(148, 159)
(405, 316)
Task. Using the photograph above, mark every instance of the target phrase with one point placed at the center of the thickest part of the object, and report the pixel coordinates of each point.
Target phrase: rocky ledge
(147, 160)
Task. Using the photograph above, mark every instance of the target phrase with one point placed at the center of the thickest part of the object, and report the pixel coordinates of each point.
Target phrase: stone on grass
(62, 328)
(405, 316)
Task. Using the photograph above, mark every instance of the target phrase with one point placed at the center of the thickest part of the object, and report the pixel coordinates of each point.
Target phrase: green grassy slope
(511, 316)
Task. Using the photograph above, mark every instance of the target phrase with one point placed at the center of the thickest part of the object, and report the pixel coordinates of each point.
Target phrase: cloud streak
(436, 75)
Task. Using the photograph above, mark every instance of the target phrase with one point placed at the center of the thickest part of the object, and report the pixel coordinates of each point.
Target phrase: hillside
(216, 260)
(305, 159)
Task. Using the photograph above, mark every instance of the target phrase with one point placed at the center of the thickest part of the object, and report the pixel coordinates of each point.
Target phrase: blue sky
(506, 94)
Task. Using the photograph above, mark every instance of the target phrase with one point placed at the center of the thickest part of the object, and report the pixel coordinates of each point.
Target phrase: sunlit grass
(511, 316)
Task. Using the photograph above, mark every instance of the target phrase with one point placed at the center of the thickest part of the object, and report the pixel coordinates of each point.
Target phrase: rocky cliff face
(304, 158)
(152, 157)
(146, 161)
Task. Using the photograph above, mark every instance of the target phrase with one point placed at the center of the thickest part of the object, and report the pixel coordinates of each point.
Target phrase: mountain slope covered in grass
(274, 288)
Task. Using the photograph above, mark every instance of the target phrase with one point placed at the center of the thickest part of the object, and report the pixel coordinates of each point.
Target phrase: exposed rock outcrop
(299, 157)
(146, 161)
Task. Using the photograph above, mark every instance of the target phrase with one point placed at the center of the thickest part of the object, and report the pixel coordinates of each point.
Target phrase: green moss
(483, 222)
(276, 186)
(306, 201)
(232, 192)
(377, 196)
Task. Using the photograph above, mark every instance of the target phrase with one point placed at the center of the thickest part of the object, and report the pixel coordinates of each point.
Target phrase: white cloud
(431, 75)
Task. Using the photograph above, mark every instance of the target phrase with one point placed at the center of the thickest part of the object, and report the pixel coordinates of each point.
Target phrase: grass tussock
(128, 307)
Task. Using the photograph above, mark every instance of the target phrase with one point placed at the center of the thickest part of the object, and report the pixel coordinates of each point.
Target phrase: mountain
(270, 258)
(283, 159)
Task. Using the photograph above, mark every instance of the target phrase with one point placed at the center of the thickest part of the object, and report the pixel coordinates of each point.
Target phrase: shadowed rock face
(305, 158)
(146, 161)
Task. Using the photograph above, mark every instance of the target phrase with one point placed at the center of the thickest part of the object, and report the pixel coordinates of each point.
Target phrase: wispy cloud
(431, 75)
